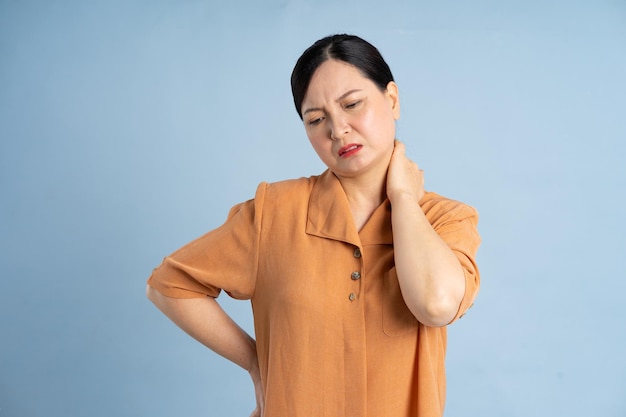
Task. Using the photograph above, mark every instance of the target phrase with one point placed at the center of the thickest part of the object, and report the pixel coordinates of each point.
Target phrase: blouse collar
(329, 215)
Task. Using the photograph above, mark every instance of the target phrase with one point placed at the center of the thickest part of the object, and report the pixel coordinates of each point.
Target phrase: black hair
(347, 48)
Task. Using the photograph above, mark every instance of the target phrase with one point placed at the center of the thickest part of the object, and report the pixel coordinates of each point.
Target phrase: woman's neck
(364, 196)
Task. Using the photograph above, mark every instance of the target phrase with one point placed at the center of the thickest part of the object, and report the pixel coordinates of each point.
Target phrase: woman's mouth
(349, 150)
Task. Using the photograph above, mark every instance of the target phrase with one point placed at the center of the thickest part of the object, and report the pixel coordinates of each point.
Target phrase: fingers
(399, 147)
(400, 150)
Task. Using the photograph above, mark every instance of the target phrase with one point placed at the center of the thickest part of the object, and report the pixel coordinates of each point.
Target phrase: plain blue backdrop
(128, 128)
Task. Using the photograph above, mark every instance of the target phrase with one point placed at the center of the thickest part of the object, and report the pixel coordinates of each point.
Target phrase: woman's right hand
(404, 177)
(255, 374)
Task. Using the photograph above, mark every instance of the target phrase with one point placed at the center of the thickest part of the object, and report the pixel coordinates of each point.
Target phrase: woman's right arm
(204, 320)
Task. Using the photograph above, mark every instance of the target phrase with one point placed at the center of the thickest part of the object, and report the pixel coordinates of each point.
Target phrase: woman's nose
(339, 128)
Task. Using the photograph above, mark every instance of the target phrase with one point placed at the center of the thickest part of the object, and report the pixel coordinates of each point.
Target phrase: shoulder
(438, 209)
(289, 187)
(290, 190)
(273, 199)
(281, 195)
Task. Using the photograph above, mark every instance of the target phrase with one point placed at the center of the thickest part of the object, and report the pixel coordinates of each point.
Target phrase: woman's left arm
(430, 275)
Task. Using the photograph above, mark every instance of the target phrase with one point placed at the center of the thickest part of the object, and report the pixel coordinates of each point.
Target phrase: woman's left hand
(404, 176)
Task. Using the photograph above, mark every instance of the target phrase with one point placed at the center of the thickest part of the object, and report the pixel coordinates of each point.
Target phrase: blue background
(128, 128)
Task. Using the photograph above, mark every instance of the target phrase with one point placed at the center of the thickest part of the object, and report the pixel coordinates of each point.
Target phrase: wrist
(404, 197)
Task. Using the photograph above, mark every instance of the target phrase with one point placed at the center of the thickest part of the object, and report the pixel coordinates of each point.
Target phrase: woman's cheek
(322, 147)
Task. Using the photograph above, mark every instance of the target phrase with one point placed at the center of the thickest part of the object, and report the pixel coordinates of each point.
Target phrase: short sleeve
(225, 258)
(457, 225)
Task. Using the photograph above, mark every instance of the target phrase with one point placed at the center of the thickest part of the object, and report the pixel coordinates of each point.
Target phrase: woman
(353, 274)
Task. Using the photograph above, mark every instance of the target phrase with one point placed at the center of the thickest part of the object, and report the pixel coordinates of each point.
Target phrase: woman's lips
(349, 150)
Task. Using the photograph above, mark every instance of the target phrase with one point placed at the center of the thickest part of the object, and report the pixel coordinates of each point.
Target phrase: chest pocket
(397, 318)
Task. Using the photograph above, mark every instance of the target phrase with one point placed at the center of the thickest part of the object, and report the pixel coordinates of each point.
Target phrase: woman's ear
(394, 98)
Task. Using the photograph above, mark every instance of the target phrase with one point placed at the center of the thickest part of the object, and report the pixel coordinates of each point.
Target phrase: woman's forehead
(333, 69)
(335, 78)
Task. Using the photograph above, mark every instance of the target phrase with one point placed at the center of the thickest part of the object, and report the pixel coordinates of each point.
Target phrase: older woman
(353, 274)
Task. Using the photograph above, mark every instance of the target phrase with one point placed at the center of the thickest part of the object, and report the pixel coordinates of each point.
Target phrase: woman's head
(346, 48)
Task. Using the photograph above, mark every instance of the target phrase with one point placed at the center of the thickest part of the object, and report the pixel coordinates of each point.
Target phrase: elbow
(149, 292)
(161, 302)
(153, 295)
(440, 306)
(438, 313)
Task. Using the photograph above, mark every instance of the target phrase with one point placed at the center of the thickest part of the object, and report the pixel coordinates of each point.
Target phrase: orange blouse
(334, 336)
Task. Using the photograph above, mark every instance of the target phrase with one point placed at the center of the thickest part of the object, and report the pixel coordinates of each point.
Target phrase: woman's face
(349, 121)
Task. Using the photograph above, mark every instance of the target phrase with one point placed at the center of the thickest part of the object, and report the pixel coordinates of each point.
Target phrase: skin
(350, 123)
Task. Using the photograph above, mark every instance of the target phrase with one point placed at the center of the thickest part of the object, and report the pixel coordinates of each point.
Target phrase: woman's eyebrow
(341, 97)
(346, 94)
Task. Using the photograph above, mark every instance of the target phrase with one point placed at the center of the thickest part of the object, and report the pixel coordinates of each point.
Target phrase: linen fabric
(334, 336)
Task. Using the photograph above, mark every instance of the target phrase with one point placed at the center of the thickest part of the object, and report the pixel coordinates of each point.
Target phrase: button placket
(356, 275)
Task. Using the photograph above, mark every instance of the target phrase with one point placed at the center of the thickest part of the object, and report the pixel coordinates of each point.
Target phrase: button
(355, 275)
(352, 296)
(357, 253)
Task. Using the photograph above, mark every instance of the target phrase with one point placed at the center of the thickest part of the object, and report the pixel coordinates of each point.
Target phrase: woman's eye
(353, 104)
(317, 121)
